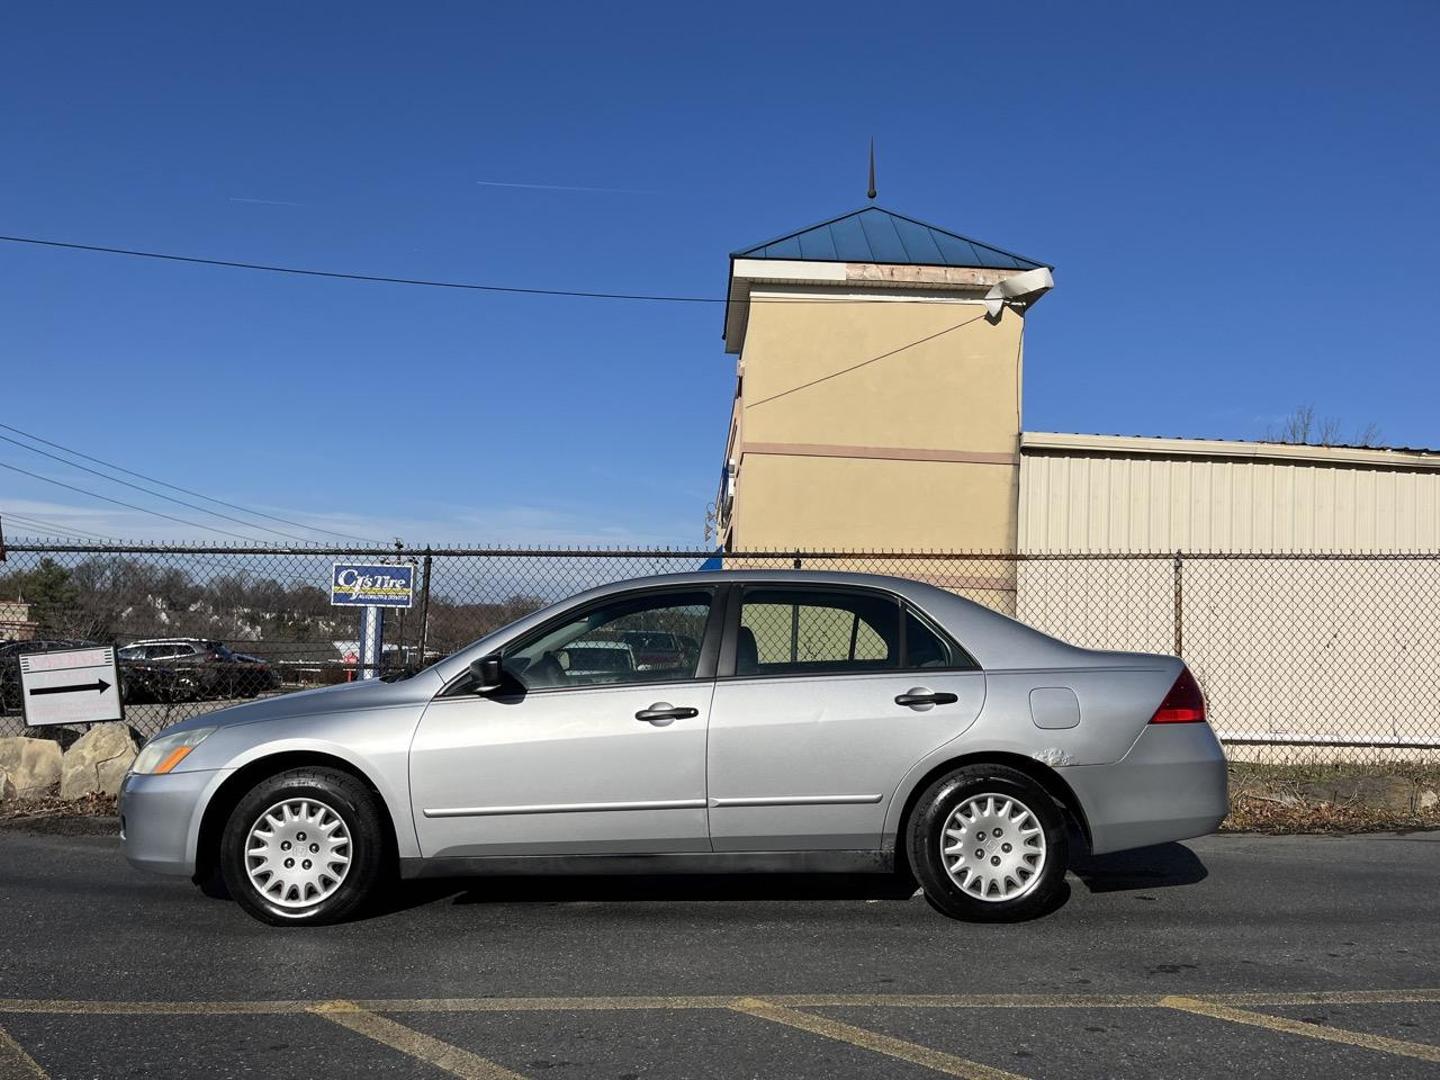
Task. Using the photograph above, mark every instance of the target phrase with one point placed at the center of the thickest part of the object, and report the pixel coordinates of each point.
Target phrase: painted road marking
(937, 1060)
(1303, 1027)
(15, 1063)
(724, 1001)
(426, 1048)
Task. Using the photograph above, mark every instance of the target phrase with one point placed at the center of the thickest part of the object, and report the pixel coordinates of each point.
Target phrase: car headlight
(161, 755)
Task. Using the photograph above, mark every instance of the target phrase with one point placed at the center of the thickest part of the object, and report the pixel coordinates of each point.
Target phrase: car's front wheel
(305, 846)
(988, 844)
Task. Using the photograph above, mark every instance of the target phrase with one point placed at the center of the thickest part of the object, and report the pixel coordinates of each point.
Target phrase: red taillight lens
(1184, 704)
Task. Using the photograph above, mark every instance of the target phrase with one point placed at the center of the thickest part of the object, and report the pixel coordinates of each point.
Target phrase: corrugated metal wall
(1100, 503)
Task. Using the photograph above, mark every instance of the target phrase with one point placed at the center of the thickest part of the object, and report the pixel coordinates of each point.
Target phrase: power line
(128, 506)
(471, 286)
(174, 487)
(383, 279)
(37, 523)
(147, 491)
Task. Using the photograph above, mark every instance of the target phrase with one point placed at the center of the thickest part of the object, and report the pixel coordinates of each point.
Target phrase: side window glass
(924, 648)
(812, 631)
(653, 637)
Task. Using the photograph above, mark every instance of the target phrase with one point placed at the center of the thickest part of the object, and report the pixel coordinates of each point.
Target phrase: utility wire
(128, 506)
(36, 523)
(173, 487)
(465, 285)
(147, 491)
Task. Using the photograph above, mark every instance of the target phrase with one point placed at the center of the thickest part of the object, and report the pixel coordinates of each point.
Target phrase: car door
(825, 699)
(603, 757)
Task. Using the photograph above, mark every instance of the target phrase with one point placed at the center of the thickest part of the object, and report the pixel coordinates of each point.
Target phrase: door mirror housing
(487, 673)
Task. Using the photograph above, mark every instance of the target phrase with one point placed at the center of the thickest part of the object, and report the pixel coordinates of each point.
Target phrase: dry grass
(51, 806)
(1328, 798)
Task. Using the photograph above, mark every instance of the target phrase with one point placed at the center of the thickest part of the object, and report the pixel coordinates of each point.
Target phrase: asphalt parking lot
(1233, 955)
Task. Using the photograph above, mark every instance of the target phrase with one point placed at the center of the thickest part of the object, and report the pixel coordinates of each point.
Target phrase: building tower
(877, 391)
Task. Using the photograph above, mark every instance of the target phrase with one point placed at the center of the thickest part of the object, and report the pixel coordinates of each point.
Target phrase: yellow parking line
(1301, 1027)
(153, 1008)
(432, 1051)
(15, 1063)
(545, 1004)
(721, 1001)
(874, 1041)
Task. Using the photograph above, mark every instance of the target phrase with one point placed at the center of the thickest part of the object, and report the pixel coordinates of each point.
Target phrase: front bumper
(1172, 785)
(160, 819)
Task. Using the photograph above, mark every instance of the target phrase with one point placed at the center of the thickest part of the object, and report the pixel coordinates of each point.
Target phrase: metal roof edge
(1238, 449)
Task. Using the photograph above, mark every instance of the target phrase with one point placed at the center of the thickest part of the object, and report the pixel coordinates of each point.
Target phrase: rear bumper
(160, 819)
(1172, 785)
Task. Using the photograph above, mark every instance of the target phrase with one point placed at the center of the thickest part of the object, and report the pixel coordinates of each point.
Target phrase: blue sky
(1238, 199)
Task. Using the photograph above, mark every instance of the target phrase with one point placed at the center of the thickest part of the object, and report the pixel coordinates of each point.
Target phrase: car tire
(1015, 869)
(329, 827)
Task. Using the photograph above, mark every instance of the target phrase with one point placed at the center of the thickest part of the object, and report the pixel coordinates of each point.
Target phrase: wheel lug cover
(994, 860)
(289, 863)
(1005, 848)
(316, 847)
(979, 853)
(306, 864)
(300, 837)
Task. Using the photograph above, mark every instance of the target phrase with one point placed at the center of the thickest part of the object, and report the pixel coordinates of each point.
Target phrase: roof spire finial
(871, 192)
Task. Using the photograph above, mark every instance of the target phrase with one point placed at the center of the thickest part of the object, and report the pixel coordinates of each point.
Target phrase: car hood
(344, 697)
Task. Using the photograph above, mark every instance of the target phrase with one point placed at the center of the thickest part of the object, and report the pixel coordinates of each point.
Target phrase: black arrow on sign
(99, 686)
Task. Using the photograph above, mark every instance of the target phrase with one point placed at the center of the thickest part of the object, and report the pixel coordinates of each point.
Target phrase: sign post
(372, 586)
(70, 686)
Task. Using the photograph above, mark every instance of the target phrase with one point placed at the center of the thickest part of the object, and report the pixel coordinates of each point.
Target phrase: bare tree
(1303, 428)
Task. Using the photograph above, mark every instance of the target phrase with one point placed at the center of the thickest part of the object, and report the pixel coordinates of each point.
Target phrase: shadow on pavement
(621, 888)
(1157, 867)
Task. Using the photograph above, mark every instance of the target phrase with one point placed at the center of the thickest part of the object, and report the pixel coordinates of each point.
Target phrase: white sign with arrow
(70, 686)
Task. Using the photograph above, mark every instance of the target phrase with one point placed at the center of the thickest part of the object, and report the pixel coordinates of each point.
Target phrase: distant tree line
(115, 598)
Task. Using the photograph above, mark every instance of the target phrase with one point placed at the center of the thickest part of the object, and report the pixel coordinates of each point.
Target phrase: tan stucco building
(878, 406)
(877, 400)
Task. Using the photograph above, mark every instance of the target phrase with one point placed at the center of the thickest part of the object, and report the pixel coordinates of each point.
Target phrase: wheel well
(1053, 783)
(217, 812)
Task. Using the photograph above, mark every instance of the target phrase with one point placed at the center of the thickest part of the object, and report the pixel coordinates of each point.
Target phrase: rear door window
(786, 631)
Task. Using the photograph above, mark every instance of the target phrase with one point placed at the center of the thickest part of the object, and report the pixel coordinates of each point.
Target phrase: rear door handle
(919, 697)
(662, 713)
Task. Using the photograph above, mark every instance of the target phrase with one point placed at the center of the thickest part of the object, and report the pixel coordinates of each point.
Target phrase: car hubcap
(993, 847)
(298, 853)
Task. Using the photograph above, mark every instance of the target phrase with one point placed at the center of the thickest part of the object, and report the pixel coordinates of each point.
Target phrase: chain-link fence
(1301, 657)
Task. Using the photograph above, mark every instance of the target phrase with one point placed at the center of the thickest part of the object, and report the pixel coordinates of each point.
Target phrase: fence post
(424, 604)
(1179, 605)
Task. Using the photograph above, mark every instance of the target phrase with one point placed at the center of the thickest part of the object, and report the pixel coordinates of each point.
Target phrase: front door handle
(921, 697)
(662, 713)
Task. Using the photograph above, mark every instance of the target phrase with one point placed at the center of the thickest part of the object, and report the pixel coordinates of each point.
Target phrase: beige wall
(1281, 499)
(874, 423)
(1320, 650)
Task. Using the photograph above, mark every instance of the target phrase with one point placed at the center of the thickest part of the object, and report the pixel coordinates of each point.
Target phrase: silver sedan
(700, 723)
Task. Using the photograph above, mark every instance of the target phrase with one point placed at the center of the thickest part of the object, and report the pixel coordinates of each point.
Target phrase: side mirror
(487, 673)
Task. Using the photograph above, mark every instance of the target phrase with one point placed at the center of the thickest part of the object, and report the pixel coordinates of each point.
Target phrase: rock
(1383, 792)
(1427, 798)
(97, 761)
(7, 787)
(33, 765)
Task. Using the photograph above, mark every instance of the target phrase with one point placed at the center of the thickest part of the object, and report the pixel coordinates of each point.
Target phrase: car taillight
(1184, 704)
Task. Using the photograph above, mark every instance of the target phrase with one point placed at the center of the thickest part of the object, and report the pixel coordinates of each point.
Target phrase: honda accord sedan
(826, 722)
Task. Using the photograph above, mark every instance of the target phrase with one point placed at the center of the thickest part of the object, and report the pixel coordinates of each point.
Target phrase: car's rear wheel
(988, 844)
(306, 846)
